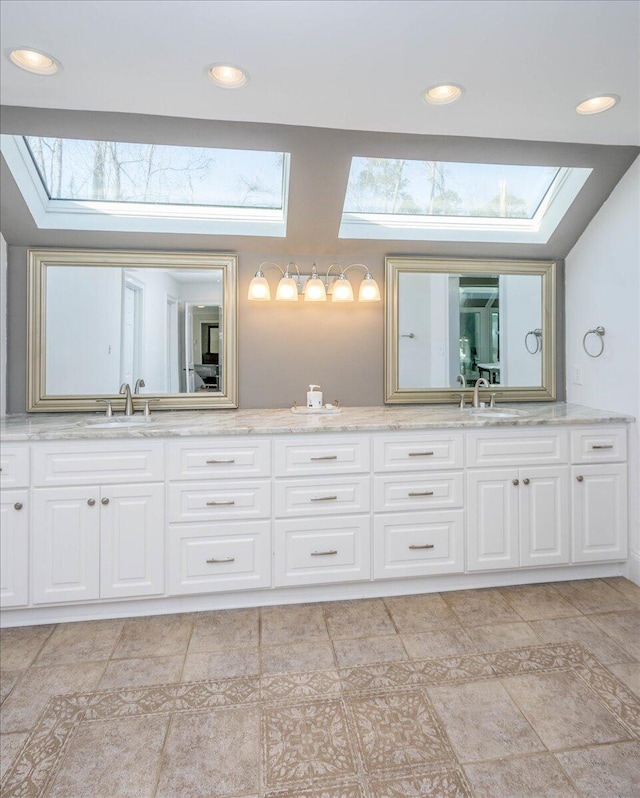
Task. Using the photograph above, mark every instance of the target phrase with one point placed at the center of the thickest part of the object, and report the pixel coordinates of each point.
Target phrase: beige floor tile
(229, 664)
(502, 636)
(127, 765)
(140, 672)
(420, 613)
(483, 722)
(20, 645)
(398, 730)
(28, 698)
(537, 776)
(364, 618)
(304, 742)
(434, 782)
(450, 641)
(564, 712)
(629, 674)
(213, 753)
(342, 791)
(605, 771)
(481, 607)
(8, 680)
(629, 589)
(84, 641)
(624, 627)
(292, 624)
(593, 595)
(581, 630)
(367, 650)
(538, 602)
(216, 631)
(297, 657)
(10, 745)
(157, 636)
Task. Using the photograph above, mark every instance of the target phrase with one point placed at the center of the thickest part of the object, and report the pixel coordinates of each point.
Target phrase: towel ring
(599, 332)
(537, 341)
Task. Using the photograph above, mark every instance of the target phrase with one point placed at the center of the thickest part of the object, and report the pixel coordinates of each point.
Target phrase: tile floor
(518, 692)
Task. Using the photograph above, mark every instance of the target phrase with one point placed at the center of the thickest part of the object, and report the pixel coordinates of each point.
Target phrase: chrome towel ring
(599, 333)
(533, 347)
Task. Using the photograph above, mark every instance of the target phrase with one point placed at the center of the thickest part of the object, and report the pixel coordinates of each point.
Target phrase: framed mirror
(450, 322)
(164, 320)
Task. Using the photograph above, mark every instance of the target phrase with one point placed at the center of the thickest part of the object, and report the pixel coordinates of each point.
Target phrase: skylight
(447, 201)
(111, 185)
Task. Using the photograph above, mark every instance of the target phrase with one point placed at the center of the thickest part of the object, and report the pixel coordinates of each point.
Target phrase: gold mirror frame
(393, 394)
(39, 260)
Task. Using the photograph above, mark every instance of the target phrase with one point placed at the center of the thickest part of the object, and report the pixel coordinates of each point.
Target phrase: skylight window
(447, 201)
(110, 185)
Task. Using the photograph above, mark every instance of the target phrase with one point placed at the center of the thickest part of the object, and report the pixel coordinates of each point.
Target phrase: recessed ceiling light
(227, 76)
(443, 94)
(34, 61)
(596, 105)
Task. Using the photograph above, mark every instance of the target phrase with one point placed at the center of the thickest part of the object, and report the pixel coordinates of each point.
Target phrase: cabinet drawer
(206, 558)
(320, 455)
(420, 492)
(14, 467)
(215, 500)
(418, 544)
(322, 496)
(526, 447)
(322, 551)
(215, 458)
(417, 452)
(98, 463)
(599, 445)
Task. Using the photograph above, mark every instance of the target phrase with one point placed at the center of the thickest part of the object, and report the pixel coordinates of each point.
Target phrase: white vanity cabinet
(14, 526)
(599, 494)
(518, 515)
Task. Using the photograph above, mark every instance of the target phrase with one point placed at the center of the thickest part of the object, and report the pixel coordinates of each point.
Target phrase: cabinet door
(492, 519)
(599, 508)
(14, 548)
(66, 544)
(131, 540)
(544, 515)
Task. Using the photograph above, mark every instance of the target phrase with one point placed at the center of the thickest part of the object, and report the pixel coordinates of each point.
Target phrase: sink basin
(496, 412)
(116, 423)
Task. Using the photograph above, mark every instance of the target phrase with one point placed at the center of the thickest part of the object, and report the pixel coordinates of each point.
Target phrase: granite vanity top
(203, 423)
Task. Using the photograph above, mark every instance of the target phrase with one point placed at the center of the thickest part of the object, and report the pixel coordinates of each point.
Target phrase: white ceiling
(353, 64)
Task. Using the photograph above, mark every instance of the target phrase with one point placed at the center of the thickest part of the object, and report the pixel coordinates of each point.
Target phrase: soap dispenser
(314, 398)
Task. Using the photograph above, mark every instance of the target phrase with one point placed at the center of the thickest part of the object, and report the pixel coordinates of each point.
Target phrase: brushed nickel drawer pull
(323, 553)
(324, 499)
(104, 501)
(425, 546)
(602, 446)
(91, 502)
(325, 457)
(526, 480)
(516, 482)
(421, 493)
(420, 454)
(220, 504)
(215, 462)
(580, 479)
(17, 506)
(223, 559)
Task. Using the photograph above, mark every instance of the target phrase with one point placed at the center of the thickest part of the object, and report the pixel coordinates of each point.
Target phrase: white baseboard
(632, 566)
(131, 608)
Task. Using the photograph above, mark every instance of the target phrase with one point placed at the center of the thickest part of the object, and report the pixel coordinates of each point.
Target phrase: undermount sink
(496, 412)
(116, 423)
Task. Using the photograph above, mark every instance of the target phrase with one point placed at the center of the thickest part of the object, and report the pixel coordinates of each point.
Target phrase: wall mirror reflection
(162, 322)
(450, 322)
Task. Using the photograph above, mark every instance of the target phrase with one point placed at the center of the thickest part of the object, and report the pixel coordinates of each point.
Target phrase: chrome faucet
(461, 379)
(125, 390)
(139, 384)
(481, 383)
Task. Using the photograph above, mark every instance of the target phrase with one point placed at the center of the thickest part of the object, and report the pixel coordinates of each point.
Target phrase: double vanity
(201, 510)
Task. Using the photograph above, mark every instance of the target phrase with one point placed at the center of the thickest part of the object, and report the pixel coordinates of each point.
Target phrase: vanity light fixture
(227, 76)
(287, 290)
(443, 94)
(315, 288)
(596, 105)
(34, 61)
(342, 290)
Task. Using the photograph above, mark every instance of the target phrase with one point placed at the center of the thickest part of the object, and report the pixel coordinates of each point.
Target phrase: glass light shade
(287, 290)
(314, 291)
(259, 290)
(596, 105)
(342, 290)
(34, 61)
(442, 95)
(369, 291)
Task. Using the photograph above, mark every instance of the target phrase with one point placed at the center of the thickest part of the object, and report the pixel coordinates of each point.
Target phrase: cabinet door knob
(526, 480)
(516, 482)
(91, 502)
(104, 501)
(580, 479)
(17, 506)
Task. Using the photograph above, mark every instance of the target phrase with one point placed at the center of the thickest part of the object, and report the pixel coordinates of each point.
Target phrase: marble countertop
(204, 423)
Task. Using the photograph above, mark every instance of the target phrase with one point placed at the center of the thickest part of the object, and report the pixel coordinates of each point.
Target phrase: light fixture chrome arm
(369, 290)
